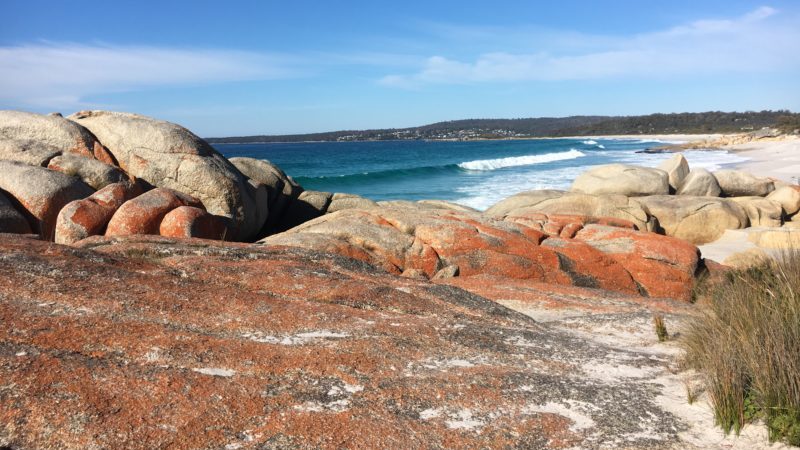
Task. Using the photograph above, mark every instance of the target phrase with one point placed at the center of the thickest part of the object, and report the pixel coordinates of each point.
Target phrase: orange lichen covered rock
(101, 153)
(90, 216)
(430, 239)
(202, 344)
(143, 214)
(538, 299)
(41, 193)
(663, 266)
(188, 222)
(421, 242)
(589, 267)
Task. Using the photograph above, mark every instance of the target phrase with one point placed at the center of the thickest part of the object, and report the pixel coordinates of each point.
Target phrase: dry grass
(661, 327)
(746, 343)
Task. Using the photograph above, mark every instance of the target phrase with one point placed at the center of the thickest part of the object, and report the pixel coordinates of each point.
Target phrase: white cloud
(63, 75)
(752, 43)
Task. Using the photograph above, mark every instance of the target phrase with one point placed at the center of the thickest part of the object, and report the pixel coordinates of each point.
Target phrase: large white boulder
(621, 179)
(571, 203)
(789, 198)
(48, 130)
(677, 168)
(695, 219)
(761, 211)
(737, 183)
(699, 183)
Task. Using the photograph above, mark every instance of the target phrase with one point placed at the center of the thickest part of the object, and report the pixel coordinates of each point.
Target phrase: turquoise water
(473, 173)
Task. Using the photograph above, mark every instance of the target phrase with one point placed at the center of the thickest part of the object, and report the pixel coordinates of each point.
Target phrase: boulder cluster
(111, 173)
(100, 173)
(694, 205)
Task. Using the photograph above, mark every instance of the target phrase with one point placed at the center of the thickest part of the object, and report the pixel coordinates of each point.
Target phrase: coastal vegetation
(746, 343)
(789, 123)
(678, 123)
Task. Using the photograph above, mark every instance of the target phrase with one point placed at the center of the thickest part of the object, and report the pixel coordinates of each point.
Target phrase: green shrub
(746, 343)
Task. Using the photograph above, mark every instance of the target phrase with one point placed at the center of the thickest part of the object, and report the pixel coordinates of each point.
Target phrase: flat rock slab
(147, 342)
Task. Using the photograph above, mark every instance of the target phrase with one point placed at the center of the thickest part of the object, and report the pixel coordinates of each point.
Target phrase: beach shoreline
(778, 159)
(772, 157)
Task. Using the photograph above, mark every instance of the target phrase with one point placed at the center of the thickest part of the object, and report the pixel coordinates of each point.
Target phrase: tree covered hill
(676, 123)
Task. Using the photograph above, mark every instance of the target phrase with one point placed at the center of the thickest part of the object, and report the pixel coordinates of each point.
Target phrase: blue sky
(276, 67)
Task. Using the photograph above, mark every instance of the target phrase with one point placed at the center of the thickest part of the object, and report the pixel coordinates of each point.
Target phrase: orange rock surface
(90, 216)
(143, 214)
(146, 342)
(568, 250)
(189, 221)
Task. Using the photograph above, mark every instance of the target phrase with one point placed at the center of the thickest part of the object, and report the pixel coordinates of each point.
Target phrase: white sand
(776, 159)
(779, 159)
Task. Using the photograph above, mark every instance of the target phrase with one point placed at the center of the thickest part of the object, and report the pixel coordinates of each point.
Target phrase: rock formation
(192, 222)
(35, 153)
(11, 220)
(788, 197)
(699, 183)
(677, 169)
(93, 172)
(144, 214)
(80, 219)
(282, 188)
(736, 183)
(621, 179)
(422, 243)
(170, 156)
(572, 203)
(761, 212)
(41, 193)
(695, 219)
(47, 132)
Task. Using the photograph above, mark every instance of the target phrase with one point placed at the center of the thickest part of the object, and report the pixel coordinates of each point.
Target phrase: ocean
(472, 173)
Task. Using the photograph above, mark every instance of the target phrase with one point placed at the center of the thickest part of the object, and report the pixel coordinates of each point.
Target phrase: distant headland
(476, 129)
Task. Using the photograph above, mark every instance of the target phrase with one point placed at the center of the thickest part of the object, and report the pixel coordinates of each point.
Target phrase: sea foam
(513, 161)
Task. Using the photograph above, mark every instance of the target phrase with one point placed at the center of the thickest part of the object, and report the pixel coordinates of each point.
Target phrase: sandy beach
(776, 159)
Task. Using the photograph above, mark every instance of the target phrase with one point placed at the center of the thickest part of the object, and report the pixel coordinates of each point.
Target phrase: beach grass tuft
(746, 344)
(660, 327)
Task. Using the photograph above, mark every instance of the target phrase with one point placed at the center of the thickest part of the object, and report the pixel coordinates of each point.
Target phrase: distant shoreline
(683, 124)
(669, 137)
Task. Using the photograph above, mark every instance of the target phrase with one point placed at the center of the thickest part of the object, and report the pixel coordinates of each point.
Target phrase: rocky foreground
(132, 320)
